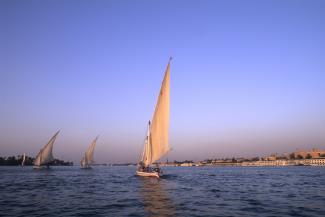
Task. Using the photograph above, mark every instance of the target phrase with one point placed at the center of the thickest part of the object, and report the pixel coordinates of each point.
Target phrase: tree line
(292, 156)
(17, 160)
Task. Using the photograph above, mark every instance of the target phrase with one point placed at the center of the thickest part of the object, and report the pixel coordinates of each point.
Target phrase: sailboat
(45, 156)
(88, 158)
(156, 143)
(23, 160)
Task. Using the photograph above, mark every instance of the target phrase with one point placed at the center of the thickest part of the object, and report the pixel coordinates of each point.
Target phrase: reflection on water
(155, 197)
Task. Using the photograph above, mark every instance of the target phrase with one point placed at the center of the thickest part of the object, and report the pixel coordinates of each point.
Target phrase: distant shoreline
(29, 161)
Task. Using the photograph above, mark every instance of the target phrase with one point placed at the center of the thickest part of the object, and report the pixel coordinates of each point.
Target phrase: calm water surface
(190, 191)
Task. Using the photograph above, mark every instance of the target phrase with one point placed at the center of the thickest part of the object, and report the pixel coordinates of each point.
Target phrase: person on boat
(156, 168)
(141, 167)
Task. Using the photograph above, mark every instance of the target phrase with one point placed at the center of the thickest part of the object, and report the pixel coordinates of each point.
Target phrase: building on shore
(317, 161)
(314, 153)
(296, 162)
(315, 157)
(187, 164)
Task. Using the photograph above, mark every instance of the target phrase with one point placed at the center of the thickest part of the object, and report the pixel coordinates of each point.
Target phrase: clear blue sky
(247, 78)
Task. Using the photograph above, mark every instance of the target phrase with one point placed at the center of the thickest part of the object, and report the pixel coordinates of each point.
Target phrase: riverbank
(282, 162)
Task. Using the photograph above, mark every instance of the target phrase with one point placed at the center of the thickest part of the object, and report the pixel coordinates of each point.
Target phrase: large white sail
(157, 144)
(45, 155)
(88, 158)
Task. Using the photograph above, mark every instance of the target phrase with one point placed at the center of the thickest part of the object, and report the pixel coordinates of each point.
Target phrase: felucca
(45, 156)
(88, 158)
(156, 143)
(23, 160)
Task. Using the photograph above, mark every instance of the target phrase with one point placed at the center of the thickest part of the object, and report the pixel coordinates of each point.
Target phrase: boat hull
(148, 174)
(41, 167)
(85, 168)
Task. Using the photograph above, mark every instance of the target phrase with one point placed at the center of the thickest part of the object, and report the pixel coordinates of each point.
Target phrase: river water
(184, 191)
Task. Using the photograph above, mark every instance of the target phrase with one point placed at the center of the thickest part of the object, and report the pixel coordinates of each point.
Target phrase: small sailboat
(45, 156)
(88, 158)
(23, 160)
(156, 143)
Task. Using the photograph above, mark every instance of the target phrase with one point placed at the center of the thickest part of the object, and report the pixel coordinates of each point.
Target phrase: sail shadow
(155, 198)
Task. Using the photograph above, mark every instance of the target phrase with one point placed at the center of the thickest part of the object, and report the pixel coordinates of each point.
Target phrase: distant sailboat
(23, 160)
(45, 156)
(88, 158)
(156, 142)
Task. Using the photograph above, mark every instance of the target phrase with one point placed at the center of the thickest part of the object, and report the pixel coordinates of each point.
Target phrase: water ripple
(188, 191)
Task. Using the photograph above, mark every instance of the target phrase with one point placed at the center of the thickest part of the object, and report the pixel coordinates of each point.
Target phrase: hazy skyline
(247, 77)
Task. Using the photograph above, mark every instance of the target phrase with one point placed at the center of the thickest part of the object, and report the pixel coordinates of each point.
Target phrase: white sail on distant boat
(88, 159)
(156, 142)
(45, 156)
(23, 160)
